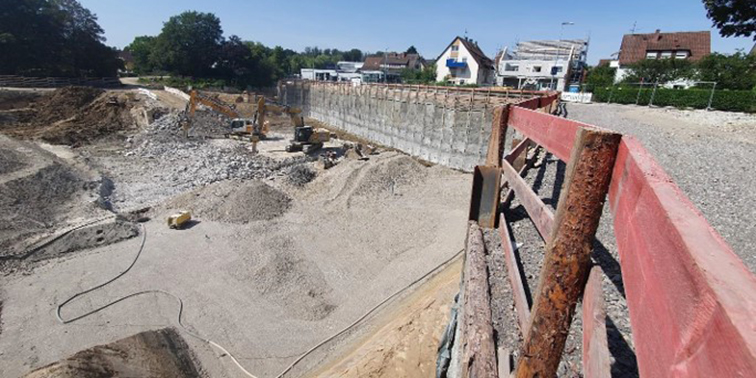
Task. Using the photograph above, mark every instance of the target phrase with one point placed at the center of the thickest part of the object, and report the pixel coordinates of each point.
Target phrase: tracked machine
(306, 138)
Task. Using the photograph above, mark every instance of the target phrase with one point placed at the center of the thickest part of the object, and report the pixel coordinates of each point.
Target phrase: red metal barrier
(553, 133)
(691, 299)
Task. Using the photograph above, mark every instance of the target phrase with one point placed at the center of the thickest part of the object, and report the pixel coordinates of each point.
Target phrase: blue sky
(430, 26)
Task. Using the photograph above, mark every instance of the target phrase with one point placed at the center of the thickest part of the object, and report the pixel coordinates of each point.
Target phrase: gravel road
(710, 155)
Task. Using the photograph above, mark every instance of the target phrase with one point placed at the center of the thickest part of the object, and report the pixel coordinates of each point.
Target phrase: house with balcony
(463, 62)
(542, 65)
(691, 46)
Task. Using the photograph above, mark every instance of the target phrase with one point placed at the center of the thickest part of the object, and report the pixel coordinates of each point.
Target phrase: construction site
(327, 229)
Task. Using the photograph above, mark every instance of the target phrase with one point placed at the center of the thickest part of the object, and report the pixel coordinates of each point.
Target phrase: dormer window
(682, 54)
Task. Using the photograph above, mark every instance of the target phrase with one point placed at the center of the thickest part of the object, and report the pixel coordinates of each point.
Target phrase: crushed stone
(233, 202)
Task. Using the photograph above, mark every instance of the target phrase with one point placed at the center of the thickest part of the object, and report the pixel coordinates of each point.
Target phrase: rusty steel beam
(596, 358)
(567, 260)
(498, 133)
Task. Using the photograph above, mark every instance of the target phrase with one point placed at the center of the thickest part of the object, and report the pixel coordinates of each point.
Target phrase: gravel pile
(198, 162)
(233, 202)
(390, 178)
(301, 174)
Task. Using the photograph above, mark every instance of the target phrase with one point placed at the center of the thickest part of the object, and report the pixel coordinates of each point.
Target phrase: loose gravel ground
(710, 155)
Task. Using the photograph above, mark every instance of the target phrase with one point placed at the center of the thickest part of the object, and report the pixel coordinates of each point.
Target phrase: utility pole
(559, 50)
(385, 65)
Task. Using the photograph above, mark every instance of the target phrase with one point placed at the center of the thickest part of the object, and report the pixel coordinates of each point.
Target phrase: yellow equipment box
(179, 219)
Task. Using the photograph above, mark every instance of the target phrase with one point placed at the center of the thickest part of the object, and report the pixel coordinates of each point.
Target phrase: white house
(542, 65)
(462, 62)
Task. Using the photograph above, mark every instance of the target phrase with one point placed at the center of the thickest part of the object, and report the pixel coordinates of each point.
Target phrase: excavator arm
(196, 99)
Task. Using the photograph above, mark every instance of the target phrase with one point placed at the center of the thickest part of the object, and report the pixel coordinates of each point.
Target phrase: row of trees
(53, 38)
(736, 71)
(191, 44)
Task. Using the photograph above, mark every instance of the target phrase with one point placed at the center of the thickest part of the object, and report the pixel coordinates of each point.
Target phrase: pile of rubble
(161, 152)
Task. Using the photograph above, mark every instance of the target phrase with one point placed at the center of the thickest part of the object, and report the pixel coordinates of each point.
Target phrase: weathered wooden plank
(479, 351)
(522, 307)
(567, 260)
(692, 301)
(596, 358)
(539, 213)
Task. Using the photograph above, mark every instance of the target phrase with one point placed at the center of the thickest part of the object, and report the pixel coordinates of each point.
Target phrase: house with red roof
(691, 46)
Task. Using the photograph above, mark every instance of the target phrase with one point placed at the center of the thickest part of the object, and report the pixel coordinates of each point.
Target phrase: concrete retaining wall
(448, 126)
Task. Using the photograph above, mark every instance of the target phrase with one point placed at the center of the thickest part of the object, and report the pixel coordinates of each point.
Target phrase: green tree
(660, 70)
(600, 76)
(736, 71)
(425, 76)
(142, 49)
(53, 37)
(189, 44)
(353, 55)
(411, 50)
(732, 17)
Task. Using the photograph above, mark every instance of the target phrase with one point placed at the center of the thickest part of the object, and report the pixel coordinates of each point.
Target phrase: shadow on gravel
(625, 364)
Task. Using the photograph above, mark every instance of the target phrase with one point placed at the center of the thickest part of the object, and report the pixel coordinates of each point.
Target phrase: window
(651, 54)
(536, 68)
(682, 54)
(557, 69)
(464, 59)
(511, 67)
(455, 48)
(461, 82)
(666, 55)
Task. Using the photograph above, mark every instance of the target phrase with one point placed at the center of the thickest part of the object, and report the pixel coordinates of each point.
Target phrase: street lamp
(559, 51)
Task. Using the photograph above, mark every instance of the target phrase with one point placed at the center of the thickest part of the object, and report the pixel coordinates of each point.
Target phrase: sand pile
(391, 177)
(161, 353)
(287, 277)
(233, 202)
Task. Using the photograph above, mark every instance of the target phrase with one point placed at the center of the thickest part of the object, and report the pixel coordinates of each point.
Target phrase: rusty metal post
(567, 261)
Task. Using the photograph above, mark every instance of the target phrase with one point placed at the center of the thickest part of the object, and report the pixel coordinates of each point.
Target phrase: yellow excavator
(252, 128)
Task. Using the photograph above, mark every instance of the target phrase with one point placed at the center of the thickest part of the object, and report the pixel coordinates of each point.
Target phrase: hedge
(734, 101)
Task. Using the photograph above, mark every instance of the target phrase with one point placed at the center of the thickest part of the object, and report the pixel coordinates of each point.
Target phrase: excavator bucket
(484, 201)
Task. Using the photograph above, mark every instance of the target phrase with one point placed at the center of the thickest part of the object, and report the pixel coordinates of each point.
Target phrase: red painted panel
(555, 134)
(692, 302)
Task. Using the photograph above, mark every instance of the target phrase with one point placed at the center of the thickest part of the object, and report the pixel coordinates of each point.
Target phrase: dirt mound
(85, 238)
(64, 103)
(10, 100)
(10, 161)
(234, 202)
(30, 204)
(161, 353)
(76, 115)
